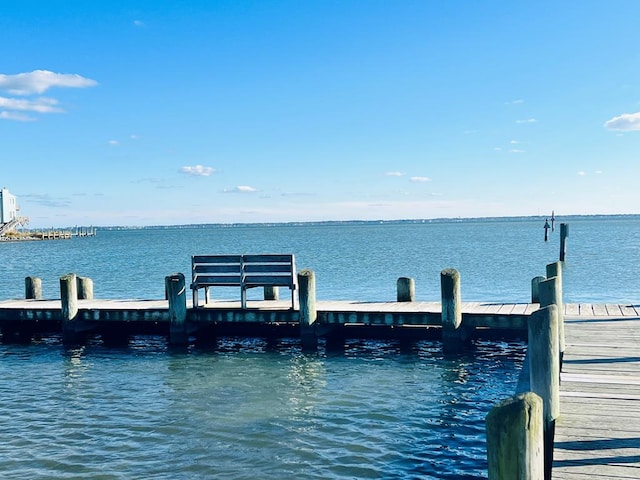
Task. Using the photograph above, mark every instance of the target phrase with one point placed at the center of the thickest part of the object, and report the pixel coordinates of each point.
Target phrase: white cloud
(138, 23)
(40, 105)
(626, 122)
(528, 120)
(39, 81)
(514, 102)
(244, 189)
(393, 174)
(516, 150)
(198, 170)
(20, 117)
(582, 173)
(420, 179)
(113, 143)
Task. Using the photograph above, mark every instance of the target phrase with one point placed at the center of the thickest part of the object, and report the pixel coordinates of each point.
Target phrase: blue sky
(176, 112)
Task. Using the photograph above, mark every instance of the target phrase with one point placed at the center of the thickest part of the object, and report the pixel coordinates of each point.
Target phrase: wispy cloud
(46, 200)
(527, 120)
(40, 105)
(138, 23)
(39, 81)
(241, 189)
(516, 150)
(113, 143)
(198, 170)
(514, 102)
(626, 122)
(420, 179)
(582, 173)
(393, 174)
(20, 117)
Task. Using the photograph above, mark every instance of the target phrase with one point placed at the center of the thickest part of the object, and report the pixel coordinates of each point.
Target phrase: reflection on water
(249, 409)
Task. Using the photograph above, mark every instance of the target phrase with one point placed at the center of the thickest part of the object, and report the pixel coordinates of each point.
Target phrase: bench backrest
(244, 270)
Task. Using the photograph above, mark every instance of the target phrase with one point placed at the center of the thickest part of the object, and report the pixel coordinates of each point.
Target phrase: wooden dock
(598, 431)
(152, 316)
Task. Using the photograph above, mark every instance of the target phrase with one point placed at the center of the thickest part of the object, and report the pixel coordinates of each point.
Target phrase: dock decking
(598, 432)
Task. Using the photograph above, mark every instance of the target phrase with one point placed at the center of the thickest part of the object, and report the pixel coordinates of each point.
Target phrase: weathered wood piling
(33, 288)
(176, 289)
(515, 438)
(308, 309)
(454, 334)
(406, 289)
(564, 233)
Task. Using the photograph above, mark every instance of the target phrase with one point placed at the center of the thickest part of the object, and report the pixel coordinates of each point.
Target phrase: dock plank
(598, 432)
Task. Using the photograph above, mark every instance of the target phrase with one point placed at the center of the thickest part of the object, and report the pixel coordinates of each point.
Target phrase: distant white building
(8, 206)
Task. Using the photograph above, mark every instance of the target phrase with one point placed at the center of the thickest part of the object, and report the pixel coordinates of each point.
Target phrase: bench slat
(267, 280)
(222, 268)
(216, 259)
(268, 268)
(268, 258)
(213, 280)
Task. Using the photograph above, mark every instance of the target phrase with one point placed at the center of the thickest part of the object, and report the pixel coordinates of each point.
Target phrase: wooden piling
(85, 288)
(564, 233)
(69, 309)
(555, 270)
(308, 309)
(271, 293)
(546, 230)
(33, 288)
(515, 438)
(551, 294)
(535, 289)
(453, 333)
(406, 289)
(176, 289)
(544, 371)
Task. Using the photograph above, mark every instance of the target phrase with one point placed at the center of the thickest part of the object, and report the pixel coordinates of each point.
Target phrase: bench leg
(243, 298)
(207, 295)
(195, 298)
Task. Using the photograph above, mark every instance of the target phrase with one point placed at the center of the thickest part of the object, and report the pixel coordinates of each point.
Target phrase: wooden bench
(244, 271)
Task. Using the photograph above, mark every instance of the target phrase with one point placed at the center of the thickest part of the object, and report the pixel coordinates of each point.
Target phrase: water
(245, 408)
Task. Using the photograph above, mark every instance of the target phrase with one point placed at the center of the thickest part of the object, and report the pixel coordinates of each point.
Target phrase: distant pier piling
(308, 309)
(85, 288)
(406, 289)
(33, 288)
(564, 233)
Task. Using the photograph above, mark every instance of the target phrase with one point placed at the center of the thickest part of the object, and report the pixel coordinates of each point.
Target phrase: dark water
(249, 409)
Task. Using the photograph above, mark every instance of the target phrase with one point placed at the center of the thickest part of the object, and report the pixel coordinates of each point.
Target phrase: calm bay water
(245, 408)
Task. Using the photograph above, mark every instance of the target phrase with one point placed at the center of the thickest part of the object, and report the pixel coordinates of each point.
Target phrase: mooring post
(551, 294)
(271, 293)
(308, 311)
(453, 332)
(85, 288)
(555, 270)
(177, 295)
(69, 308)
(33, 288)
(535, 289)
(546, 230)
(406, 289)
(544, 371)
(515, 438)
(564, 233)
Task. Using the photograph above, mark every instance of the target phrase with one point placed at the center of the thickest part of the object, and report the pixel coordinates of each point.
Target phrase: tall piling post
(176, 290)
(515, 448)
(308, 309)
(454, 335)
(32, 288)
(555, 296)
(406, 289)
(564, 233)
(85, 288)
(544, 371)
(535, 289)
(69, 308)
